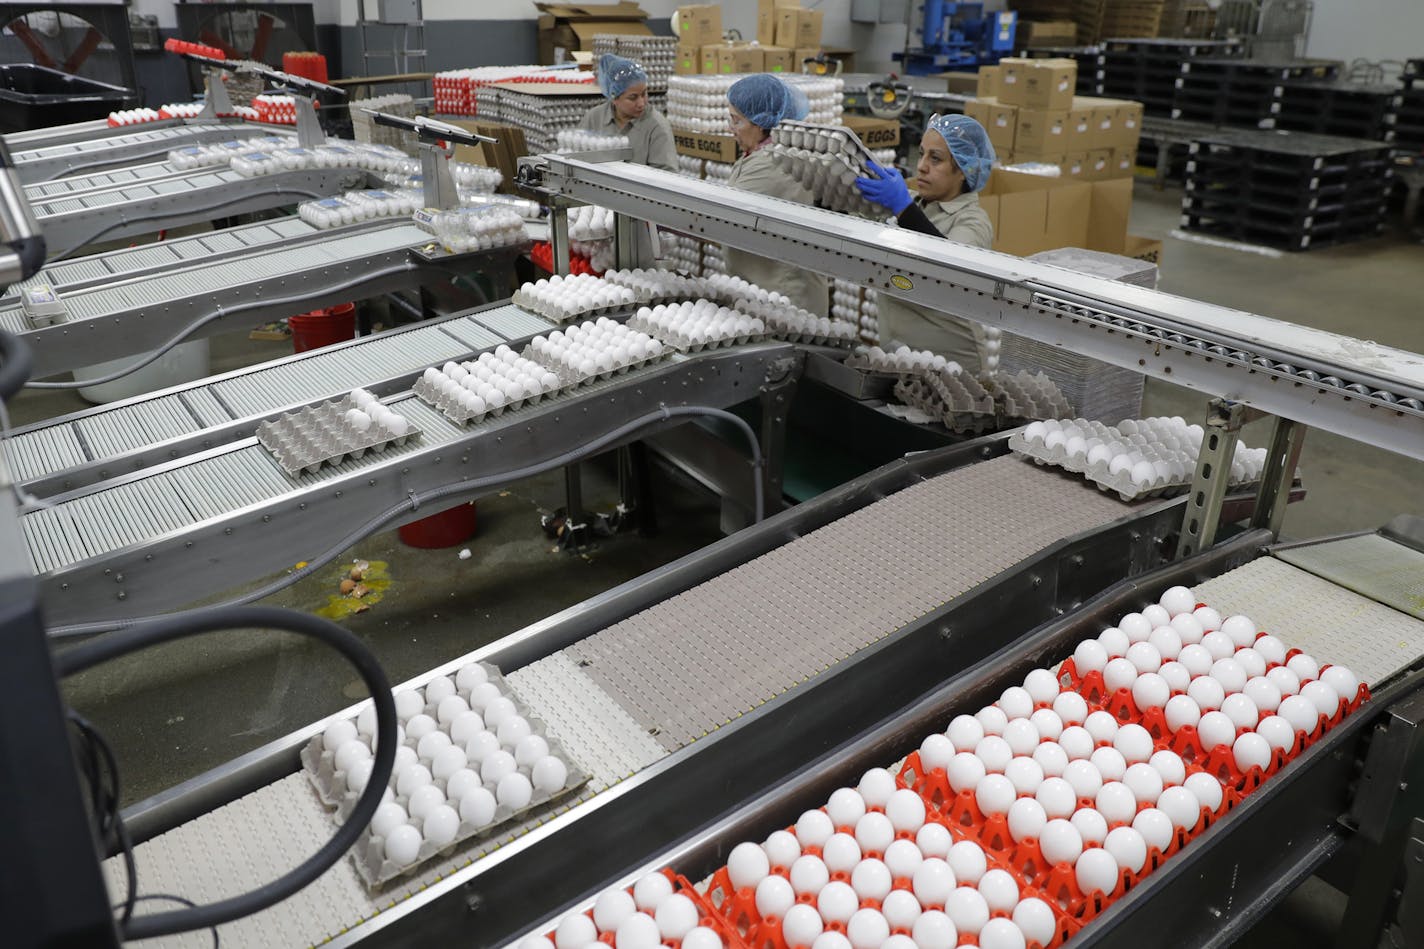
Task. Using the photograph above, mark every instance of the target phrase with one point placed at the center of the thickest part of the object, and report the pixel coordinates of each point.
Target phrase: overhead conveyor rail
(145, 143)
(1360, 389)
(693, 670)
(143, 199)
(153, 539)
(259, 272)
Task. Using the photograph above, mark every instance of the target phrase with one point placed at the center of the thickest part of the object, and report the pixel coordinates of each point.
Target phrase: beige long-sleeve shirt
(960, 219)
(810, 291)
(649, 135)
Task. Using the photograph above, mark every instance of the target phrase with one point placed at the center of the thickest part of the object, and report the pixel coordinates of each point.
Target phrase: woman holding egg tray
(955, 161)
(756, 104)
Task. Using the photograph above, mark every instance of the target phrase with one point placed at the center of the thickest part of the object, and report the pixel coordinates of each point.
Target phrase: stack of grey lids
(1096, 390)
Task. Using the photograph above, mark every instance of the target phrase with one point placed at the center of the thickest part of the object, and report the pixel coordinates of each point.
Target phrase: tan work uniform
(649, 135)
(810, 291)
(963, 220)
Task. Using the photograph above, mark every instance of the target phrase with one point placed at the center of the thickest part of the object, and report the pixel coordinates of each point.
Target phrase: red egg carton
(708, 916)
(542, 253)
(1090, 686)
(175, 45)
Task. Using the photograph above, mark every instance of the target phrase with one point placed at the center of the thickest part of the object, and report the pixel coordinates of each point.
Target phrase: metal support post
(216, 101)
(559, 236)
(1282, 457)
(1382, 814)
(438, 184)
(625, 241)
(309, 132)
(1218, 448)
(1408, 927)
(776, 396)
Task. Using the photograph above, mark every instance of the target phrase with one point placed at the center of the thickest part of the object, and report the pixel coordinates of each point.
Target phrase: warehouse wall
(1367, 29)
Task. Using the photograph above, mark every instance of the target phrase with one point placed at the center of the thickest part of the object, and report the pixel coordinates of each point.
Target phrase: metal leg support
(1382, 815)
(1282, 457)
(625, 242)
(776, 396)
(1203, 514)
(559, 237)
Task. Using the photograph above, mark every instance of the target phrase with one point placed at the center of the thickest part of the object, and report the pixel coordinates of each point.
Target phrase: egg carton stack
(660, 909)
(364, 128)
(856, 304)
(405, 172)
(588, 222)
(466, 230)
(714, 262)
(578, 296)
(699, 103)
(1137, 458)
(525, 208)
(487, 386)
(682, 253)
(331, 432)
(541, 117)
(826, 97)
(826, 160)
(718, 171)
(220, 154)
(693, 326)
(787, 321)
(595, 349)
(1027, 396)
(255, 164)
(934, 385)
(355, 207)
(690, 167)
(656, 54)
(657, 286)
(471, 758)
(572, 141)
(275, 109)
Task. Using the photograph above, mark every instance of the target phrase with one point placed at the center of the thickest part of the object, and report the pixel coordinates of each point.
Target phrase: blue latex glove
(887, 189)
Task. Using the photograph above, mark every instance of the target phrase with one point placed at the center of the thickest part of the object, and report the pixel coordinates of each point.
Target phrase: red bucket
(320, 328)
(446, 529)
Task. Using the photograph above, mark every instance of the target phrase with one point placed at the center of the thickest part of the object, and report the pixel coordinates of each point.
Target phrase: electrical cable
(295, 299)
(167, 629)
(414, 501)
(217, 942)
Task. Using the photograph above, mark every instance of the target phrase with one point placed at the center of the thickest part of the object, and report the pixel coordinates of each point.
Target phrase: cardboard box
(503, 153)
(1045, 33)
(699, 25)
(1032, 213)
(566, 27)
(1127, 124)
(707, 59)
(800, 54)
(874, 133)
(1038, 83)
(779, 59)
(1100, 165)
(1032, 157)
(989, 82)
(735, 60)
(798, 28)
(766, 19)
(1124, 161)
(1041, 132)
(960, 83)
(1080, 127)
(998, 119)
(687, 60)
(1104, 119)
(1143, 248)
(721, 148)
(1074, 165)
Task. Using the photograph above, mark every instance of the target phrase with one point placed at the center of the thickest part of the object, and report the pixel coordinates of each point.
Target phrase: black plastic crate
(1267, 234)
(34, 96)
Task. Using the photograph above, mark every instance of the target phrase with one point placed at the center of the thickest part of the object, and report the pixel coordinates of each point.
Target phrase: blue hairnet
(767, 100)
(970, 146)
(616, 74)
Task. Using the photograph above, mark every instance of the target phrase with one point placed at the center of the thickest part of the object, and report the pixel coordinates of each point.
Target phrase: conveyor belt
(1370, 564)
(128, 316)
(46, 162)
(723, 648)
(147, 198)
(93, 130)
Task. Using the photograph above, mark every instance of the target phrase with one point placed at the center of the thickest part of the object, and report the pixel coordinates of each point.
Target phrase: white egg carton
(355, 207)
(595, 350)
(466, 229)
(369, 852)
(303, 441)
(692, 327)
(572, 141)
(795, 325)
(579, 296)
(502, 381)
(1024, 395)
(210, 156)
(657, 286)
(475, 177)
(956, 399)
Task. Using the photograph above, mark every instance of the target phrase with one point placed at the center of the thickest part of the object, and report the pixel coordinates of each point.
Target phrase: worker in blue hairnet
(955, 161)
(625, 86)
(756, 104)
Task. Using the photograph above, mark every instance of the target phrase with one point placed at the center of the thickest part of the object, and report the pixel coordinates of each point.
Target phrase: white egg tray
(795, 325)
(369, 852)
(303, 441)
(567, 371)
(657, 286)
(1025, 396)
(682, 338)
(449, 405)
(827, 159)
(254, 164)
(208, 156)
(955, 399)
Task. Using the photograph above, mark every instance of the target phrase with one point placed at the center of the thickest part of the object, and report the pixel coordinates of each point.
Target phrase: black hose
(194, 622)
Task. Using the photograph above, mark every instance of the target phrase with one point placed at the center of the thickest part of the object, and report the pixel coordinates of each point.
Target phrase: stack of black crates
(1148, 70)
(1293, 191)
(1409, 117)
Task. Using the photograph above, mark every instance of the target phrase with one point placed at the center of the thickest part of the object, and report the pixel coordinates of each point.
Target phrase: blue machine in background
(957, 35)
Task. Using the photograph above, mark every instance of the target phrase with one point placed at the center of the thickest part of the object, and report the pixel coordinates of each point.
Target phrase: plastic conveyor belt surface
(876, 569)
(1371, 565)
(145, 142)
(53, 447)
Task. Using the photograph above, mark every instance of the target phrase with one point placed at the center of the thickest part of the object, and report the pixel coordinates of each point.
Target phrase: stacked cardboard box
(786, 35)
(565, 28)
(1032, 214)
(1036, 118)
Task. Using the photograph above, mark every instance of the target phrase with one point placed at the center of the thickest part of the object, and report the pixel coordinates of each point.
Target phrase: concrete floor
(174, 713)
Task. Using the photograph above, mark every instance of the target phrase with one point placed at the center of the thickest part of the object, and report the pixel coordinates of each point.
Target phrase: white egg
(340, 732)
(1041, 686)
(1096, 871)
(1305, 668)
(901, 909)
(774, 896)
(837, 902)
(1051, 759)
(1021, 736)
(1120, 673)
(1178, 600)
(1188, 629)
(814, 828)
(1070, 707)
(1024, 774)
(1144, 782)
(871, 879)
(1116, 802)
(701, 937)
(1109, 763)
(412, 777)
(409, 704)
(994, 795)
(1206, 789)
(611, 908)
(1156, 616)
(876, 786)
(1077, 743)
(403, 845)
(1241, 629)
(993, 720)
(1090, 656)
(801, 926)
(441, 824)
(1322, 695)
(1128, 848)
(933, 930)
(994, 752)
(906, 810)
(747, 865)
(808, 873)
(1100, 725)
(481, 745)
(1252, 661)
(1136, 627)
(1181, 805)
(1000, 891)
(1026, 819)
(1150, 691)
(431, 744)
(967, 909)
(1241, 710)
(1207, 692)
(496, 765)
(1341, 679)
(438, 689)
(782, 849)
(639, 931)
(1271, 649)
(1090, 825)
(446, 761)
(1115, 642)
(845, 807)
(387, 817)
(1035, 919)
(651, 889)
(529, 750)
(1300, 712)
(1084, 777)
(967, 863)
(873, 832)
(1196, 659)
(965, 731)
(1166, 641)
(1016, 702)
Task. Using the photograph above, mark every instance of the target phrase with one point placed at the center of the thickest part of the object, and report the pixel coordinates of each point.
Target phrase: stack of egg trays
(1031, 397)
(682, 286)
(846, 153)
(793, 324)
(684, 344)
(565, 371)
(957, 399)
(1098, 473)
(457, 413)
(369, 851)
(304, 440)
(538, 308)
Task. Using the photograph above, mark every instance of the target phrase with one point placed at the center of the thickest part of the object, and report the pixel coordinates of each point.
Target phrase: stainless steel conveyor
(127, 146)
